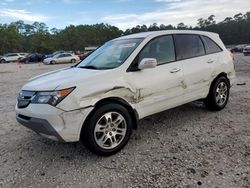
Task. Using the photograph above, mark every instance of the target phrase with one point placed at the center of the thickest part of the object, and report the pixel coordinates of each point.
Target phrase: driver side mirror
(147, 63)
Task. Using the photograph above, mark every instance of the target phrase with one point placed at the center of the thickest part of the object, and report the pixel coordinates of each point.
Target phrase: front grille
(25, 98)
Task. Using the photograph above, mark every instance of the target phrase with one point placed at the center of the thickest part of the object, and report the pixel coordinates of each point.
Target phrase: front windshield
(111, 55)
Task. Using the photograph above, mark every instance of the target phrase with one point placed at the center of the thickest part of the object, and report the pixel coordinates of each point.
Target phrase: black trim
(38, 125)
(131, 69)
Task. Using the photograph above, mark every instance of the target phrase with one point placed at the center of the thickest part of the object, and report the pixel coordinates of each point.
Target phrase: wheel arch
(222, 74)
(115, 100)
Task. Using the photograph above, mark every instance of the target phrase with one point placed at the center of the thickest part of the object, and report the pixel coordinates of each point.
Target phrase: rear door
(68, 58)
(157, 88)
(197, 71)
(60, 58)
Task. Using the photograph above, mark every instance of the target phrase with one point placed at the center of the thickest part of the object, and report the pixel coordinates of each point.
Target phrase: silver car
(62, 58)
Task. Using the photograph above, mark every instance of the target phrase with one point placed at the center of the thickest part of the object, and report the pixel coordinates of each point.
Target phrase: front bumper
(40, 126)
(52, 122)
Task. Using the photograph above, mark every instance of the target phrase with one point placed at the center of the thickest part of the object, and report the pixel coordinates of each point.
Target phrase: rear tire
(107, 130)
(73, 61)
(218, 94)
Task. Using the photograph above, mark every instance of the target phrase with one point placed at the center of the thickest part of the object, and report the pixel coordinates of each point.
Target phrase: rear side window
(62, 55)
(188, 46)
(210, 46)
(67, 55)
(160, 48)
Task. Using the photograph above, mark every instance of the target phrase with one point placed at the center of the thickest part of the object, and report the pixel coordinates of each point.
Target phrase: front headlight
(51, 97)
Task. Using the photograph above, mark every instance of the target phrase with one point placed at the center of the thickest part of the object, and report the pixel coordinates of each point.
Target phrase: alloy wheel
(110, 130)
(221, 93)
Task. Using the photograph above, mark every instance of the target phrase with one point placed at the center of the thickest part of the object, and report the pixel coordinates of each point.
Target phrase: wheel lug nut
(110, 134)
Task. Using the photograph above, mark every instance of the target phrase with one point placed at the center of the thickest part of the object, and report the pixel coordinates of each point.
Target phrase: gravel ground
(186, 146)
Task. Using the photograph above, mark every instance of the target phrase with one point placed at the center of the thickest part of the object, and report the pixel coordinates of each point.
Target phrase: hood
(60, 79)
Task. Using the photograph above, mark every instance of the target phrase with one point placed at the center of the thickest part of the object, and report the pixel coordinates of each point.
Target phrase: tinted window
(62, 55)
(161, 48)
(12, 55)
(67, 55)
(210, 46)
(188, 46)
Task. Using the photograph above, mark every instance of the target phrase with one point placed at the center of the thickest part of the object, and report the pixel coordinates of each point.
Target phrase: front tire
(2, 61)
(52, 62)
(107, 130)
(218, 94)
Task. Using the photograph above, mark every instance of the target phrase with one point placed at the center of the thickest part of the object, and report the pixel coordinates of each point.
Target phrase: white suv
(100, 100)
(10, 57)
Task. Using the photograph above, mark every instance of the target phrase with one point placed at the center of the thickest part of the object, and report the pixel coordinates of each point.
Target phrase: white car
(101, 99)
(246, 51)
(10, 57)
(62, 58)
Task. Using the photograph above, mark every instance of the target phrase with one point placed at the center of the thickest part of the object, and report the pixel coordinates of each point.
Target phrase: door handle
(174, 70)
(210, 61)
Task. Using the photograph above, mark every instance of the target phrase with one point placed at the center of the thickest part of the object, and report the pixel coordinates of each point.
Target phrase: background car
(36, 57)
(62, 58)
(55, 53)
(239, 48)
(246, 51)
(11, 57)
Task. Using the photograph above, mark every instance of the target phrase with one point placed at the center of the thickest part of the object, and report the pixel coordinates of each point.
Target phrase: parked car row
(240, 48)
(56, 57)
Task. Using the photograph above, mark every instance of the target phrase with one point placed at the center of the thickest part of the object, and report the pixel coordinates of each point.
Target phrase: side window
(161, 48)
(67, 55)
(188, 46)
(60, 56)
(210, 46)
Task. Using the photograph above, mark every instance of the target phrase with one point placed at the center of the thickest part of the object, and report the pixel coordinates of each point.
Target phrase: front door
(161, 87)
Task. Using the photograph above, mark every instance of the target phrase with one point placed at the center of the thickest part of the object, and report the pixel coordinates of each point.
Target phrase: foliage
(21, 37)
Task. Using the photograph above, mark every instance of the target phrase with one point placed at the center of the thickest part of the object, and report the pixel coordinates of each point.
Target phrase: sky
(121, 13)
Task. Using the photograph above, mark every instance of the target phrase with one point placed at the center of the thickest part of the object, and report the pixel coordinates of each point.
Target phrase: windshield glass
(111, 55)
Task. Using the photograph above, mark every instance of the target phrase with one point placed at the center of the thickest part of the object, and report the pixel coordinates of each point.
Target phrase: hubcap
(221, 93)
(110, 130)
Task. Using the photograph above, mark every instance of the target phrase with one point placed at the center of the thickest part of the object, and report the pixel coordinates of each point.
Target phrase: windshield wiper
(88, 67)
